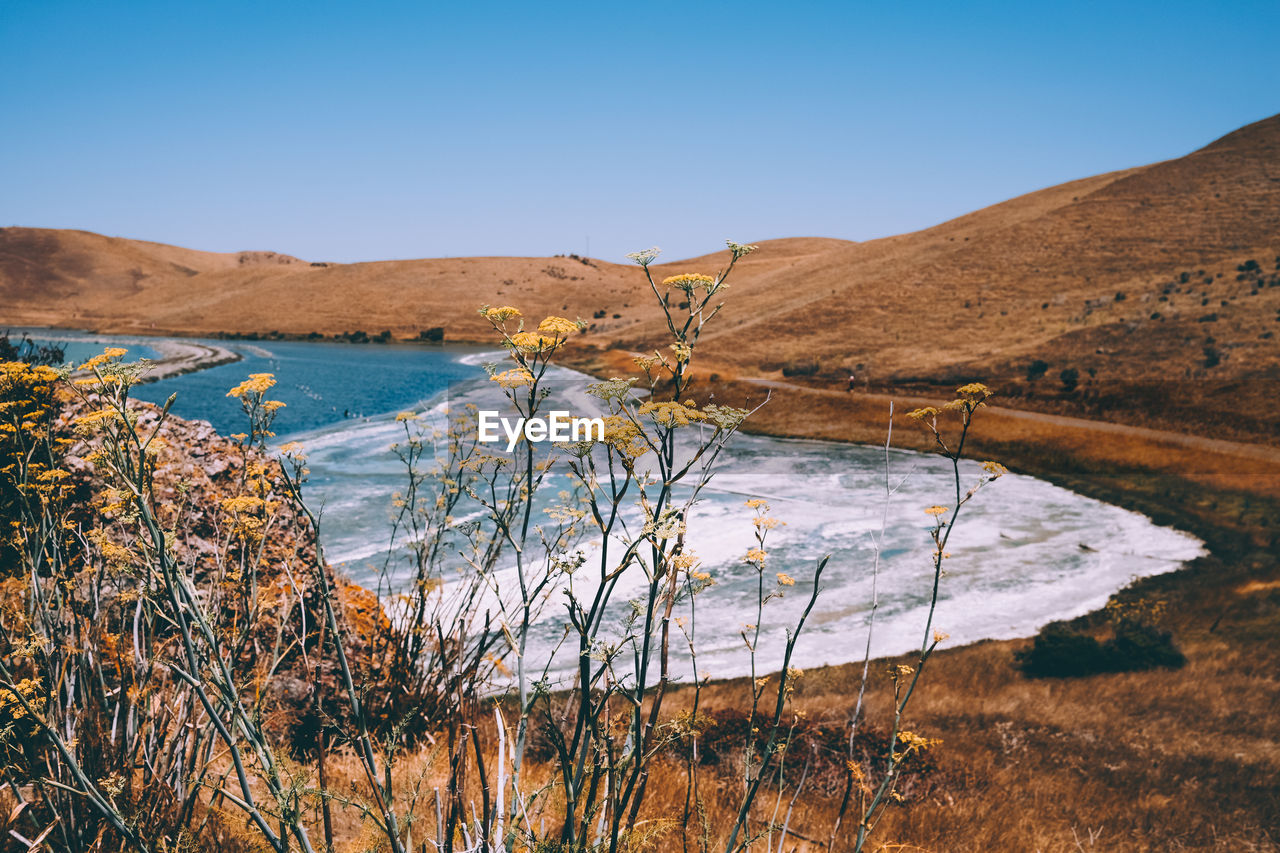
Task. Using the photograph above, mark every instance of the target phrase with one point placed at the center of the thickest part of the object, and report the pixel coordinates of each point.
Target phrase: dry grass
(1151, 761)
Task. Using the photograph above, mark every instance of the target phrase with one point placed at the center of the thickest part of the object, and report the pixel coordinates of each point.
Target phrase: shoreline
(179, 354)
(1139, 474)
(181, 357)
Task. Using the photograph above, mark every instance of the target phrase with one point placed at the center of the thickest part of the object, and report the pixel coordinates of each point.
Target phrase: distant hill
(1165, 275)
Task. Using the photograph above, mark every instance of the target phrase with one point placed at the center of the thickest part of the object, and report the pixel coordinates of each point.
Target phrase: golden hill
(1163, 272)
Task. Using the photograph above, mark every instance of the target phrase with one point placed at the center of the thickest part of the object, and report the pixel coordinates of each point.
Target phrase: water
(319, 383)
(1025, 552)
(79, 347)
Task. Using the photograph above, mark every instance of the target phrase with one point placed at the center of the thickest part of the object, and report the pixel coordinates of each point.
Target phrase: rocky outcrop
(254, 567)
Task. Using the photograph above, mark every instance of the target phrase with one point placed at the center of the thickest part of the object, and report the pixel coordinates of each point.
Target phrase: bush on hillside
(800, 368)
(1059, 652)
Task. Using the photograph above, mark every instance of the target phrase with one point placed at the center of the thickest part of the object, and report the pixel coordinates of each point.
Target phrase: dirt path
(1258, 452)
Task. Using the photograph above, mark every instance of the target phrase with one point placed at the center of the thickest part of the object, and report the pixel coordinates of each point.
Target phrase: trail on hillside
(1191, 442)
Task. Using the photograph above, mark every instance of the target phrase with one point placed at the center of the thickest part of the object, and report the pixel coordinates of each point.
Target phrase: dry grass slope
(1098, 273)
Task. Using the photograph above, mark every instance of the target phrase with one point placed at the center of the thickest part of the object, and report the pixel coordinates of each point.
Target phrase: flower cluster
(671, 414)
(645, 257)
(912, 742)
(622, 434)
(501, 315)
(559, 326)
(724, 417)
(532, 342)
(516, 377)
(612, 389)
(107, 355)
(256, 384)
(689, 282)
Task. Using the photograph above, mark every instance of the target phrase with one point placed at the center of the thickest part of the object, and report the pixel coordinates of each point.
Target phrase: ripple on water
(1016, 561)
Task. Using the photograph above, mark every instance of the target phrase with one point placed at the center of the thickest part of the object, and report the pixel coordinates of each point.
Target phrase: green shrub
(1059, 652)
(1138, 647)
(29, 352)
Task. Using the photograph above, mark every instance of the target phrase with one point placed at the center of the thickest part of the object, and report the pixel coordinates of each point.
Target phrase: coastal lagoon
(1025, 552)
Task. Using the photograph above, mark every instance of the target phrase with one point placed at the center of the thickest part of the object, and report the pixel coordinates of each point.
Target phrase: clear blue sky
(354, 131)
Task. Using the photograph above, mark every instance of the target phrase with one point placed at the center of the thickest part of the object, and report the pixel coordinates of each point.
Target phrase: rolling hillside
(1070, 298)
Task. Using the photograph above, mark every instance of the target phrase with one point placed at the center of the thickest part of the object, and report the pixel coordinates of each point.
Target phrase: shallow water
(1024, 552)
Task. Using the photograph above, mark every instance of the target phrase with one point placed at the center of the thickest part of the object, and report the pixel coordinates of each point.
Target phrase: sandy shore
(176, 356)
(179, 357)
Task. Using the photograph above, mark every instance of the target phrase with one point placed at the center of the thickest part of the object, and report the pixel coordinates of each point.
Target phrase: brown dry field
(1134, 279)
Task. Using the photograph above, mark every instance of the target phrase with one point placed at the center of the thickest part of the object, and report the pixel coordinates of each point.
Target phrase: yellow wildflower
(10, 704)
(243, 503)
(912, 742)
(648, 362)
(103, 357)
(686, 560)
(785, 580)
(97, 417)
(257, 383)
(558, 326)
(624, 436)
(974, 392)
(501, 315)
(533, 341)
(994, 469)
(513, 378)
(670, 413)
(755, 555)
(936, 511)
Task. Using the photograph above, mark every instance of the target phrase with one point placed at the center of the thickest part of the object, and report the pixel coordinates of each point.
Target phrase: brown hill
(1123, 280)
